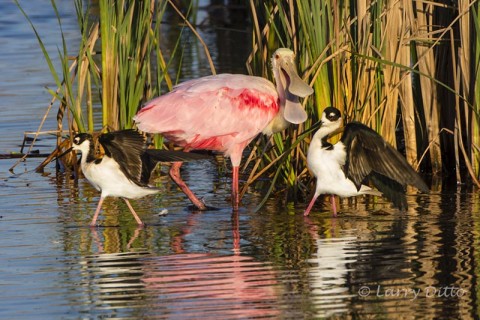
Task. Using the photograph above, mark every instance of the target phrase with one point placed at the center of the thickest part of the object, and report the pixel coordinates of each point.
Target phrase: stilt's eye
(332, 116)
(76, 140)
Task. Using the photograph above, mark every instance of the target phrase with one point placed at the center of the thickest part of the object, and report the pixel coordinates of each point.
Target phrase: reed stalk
(121, 79)
(127, 35)
(386, 64)
(474, 113)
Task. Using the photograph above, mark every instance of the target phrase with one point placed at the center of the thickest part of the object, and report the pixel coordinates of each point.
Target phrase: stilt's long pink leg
(235, 193)
(332, 199)
(140, 223)
(310, 205)
(175, 175)
(95, 216)
(334, 205)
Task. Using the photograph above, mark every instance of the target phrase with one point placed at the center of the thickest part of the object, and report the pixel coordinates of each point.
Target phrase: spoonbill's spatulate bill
(124, 167)
(361, 156)
(225, 113)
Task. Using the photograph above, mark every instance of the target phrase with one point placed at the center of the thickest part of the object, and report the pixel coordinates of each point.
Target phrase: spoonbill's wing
(215, 112)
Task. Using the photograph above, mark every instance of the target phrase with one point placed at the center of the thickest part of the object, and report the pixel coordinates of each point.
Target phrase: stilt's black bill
(64, 153)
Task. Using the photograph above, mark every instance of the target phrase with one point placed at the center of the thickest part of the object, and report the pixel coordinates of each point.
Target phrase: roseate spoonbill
(124, 167)
(360, 156)
(225, 113)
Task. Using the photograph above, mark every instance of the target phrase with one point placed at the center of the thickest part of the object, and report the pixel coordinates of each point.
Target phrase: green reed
(117, 65)
(382, 63)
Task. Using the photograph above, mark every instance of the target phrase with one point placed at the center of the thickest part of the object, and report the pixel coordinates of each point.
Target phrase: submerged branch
(37, 133)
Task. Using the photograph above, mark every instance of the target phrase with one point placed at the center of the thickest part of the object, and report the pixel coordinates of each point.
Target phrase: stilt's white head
(82, 142)
(331, 119)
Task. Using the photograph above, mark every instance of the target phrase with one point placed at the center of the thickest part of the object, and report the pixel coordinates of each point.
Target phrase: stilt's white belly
(327, 167)
(110, 180)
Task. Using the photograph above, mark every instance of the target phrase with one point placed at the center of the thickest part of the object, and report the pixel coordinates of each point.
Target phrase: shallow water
(369, 262)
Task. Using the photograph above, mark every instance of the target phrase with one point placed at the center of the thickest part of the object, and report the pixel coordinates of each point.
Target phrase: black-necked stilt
(122, 166)
(361, 156)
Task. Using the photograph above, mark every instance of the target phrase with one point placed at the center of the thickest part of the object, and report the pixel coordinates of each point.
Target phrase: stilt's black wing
(391, 189)
(126, 148)
(152, 156)
(172, 156)
(371, 157)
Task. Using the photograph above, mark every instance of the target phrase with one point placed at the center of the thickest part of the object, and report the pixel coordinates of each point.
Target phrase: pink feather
(223, 112)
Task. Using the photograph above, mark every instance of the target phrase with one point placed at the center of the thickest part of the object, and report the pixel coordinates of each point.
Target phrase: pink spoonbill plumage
(225, 113)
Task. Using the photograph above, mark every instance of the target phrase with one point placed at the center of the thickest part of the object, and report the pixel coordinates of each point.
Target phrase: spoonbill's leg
(175, 175)
(235, 193)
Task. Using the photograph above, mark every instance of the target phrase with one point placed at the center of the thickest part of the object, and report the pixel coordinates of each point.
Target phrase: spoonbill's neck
(278, 123)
